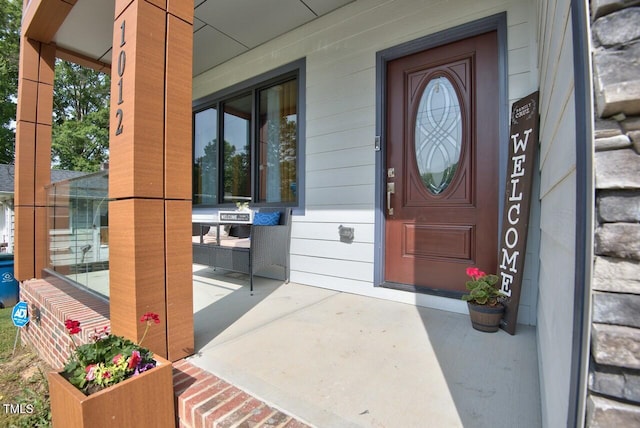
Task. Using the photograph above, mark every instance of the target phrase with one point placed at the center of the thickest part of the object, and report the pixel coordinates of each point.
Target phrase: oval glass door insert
(438, 134)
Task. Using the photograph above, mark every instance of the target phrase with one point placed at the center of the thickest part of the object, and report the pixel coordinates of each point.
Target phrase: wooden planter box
(145, 400)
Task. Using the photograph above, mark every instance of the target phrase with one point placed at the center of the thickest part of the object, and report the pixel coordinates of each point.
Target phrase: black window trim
(284, 73)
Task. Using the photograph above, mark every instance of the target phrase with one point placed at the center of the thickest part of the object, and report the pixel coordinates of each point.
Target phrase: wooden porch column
(33, 155)
(150, 173)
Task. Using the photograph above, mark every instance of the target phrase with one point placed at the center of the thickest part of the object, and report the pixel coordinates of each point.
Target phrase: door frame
(497, 22)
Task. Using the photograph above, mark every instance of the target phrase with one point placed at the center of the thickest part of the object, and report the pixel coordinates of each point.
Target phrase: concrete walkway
(334, 359)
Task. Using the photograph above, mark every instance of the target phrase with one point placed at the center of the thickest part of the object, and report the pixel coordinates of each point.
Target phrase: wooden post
(149, 177)
(33, 155)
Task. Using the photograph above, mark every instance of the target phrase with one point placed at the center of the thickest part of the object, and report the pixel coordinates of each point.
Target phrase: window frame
(294, 70)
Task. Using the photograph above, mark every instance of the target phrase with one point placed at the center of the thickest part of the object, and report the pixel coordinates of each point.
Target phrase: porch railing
(78, 230)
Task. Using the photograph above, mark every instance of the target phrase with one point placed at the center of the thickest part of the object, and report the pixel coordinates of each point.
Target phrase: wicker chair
(267, 246)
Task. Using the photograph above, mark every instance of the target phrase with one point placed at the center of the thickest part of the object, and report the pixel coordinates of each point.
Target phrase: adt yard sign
(20, 315)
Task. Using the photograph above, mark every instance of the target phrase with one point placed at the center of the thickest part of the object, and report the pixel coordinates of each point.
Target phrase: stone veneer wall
(614, 376)
(51, 301)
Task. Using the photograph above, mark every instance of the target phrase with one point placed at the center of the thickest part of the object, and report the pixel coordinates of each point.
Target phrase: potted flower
(484, 300)
(112, 381)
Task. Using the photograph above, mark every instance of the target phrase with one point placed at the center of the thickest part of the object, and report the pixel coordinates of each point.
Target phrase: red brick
(275, 420)
(182, 385)
(193, 402)
(294, 423)
(240, 413)
(260, 414)
(200, 411)
(226, 409)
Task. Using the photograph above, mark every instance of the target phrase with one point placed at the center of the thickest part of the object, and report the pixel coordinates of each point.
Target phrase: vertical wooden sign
(523, 140)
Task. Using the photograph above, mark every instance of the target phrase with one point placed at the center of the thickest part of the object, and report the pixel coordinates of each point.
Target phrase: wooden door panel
(442, 131)
(437, 241)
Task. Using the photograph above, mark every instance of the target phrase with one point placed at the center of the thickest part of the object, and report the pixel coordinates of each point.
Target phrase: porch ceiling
(222, 28)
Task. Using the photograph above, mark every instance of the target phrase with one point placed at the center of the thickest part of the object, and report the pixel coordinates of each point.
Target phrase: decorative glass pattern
(438, 134)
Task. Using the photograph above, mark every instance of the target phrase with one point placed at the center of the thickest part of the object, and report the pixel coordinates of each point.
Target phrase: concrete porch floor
(335, 359)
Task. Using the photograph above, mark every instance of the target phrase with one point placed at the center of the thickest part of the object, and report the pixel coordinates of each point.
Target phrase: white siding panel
(557, 58)
(557, 217)
(345, 195)
(348, 139)
(519, 61)
(521, 12)
(560, 158)
(348, 269)
(338, 64)
(518, 36)
(358, 156)
(341, 93)
(336, 177)
(548, 35)
(341, 121)
(562, 87)
(363, 232)
(333, 283)
(519, 86)
(331, 214)
(332, 250)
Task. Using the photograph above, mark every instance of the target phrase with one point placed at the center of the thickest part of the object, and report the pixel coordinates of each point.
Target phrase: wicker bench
(215, 245)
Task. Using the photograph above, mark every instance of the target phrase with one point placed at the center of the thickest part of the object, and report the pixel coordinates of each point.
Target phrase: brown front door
(442, 165)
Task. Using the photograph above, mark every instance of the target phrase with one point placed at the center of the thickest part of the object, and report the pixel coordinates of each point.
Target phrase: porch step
(204, 400)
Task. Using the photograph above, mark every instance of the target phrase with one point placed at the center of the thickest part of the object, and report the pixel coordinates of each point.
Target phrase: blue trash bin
(9, 292)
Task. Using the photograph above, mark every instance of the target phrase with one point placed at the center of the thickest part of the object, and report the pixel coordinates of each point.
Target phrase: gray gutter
(584, 212)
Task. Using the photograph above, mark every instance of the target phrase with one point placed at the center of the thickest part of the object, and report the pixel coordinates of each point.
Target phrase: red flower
(475, 273)
(91, 372)
(150, 316)
(117, 358)
(134, 359)
(72, 326)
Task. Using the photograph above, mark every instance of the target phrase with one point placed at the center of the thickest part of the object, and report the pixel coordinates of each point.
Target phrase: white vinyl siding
(558, 216)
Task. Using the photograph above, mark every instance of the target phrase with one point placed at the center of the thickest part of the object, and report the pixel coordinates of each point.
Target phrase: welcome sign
(523, 140)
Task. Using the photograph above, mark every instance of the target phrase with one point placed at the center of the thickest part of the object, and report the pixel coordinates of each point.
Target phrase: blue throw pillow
(266, 219)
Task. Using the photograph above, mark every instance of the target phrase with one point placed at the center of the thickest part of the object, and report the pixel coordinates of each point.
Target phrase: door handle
(391, 189)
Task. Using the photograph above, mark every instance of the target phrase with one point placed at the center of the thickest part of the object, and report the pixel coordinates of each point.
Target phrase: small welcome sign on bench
(241, 217)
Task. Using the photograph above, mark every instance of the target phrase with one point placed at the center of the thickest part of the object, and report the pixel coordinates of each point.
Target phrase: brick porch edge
(201, 398)
(204, 400)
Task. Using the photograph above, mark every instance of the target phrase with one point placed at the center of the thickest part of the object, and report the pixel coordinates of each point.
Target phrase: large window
(246, 144)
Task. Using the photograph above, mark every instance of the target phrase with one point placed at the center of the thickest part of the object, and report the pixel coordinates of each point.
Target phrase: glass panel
(79, 231)
(438, 134)
(278, 143)
(205, 158)
(237, 150)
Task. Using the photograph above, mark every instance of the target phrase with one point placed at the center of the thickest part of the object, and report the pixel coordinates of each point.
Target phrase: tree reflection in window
(237, 149)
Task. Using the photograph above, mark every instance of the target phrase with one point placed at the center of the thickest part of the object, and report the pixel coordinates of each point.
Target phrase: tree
(82, 145)
(10, 16)
(80, 118)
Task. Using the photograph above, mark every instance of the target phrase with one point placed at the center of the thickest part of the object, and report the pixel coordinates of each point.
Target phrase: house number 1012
(122, 60)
